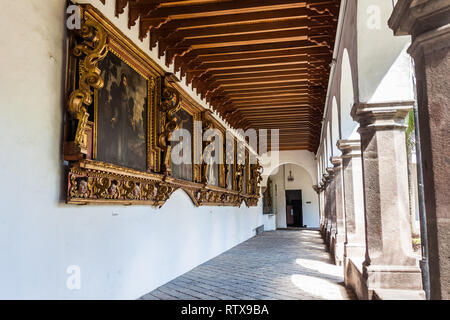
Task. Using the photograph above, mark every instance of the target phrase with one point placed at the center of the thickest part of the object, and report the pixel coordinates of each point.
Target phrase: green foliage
(410, 141)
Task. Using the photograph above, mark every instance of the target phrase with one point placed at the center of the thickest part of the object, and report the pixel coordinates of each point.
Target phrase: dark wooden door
(294, 213)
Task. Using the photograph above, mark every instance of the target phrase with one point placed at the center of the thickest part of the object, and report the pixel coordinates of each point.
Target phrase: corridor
(278, 265)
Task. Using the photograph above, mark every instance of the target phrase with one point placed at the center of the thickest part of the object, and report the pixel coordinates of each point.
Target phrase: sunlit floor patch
(320, 288)
(322, 267)
(277, 265)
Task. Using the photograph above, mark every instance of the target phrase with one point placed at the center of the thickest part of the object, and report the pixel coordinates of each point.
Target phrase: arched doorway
(293, 201)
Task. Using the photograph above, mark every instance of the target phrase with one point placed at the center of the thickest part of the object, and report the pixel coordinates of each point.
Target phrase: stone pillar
(428, 21)
(325, 206)
(319, 190)
(330, 206)
(355, 238)
(339, 230)
(389, 262)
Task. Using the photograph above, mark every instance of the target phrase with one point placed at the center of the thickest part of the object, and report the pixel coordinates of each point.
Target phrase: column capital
(427, 21)
(412, 17)
(320, 187)
(330, 172)
(430, 41)
(381, 115)
(316, 188)
(349, 148)
(336, 162)
(325, 177)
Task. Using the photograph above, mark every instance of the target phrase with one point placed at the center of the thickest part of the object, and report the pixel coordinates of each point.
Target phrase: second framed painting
(122, 114)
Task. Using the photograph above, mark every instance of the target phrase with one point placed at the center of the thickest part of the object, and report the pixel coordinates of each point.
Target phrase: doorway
(294, 210)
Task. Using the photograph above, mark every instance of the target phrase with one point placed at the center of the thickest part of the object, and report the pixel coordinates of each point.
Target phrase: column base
(328, 237)
(395, 282)
(338, 250)
(331, 241)
(354, 250)
(392, 277)
(322, 230)
(386, 294)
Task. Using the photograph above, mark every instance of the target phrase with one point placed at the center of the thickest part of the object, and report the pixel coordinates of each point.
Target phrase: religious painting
(184, 170)
(246, 171)
(267, 198)
(122, 112)
(240, 168)
(212, 167)
(229, 163)
(121, 115)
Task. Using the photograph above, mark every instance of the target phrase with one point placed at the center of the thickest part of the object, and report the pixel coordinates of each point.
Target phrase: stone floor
(277, 265)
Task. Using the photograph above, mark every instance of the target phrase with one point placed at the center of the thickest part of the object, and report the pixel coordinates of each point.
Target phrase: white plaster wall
(382, 60)
(348, 126)
(123, 252)
(280, 198)
(269, 221)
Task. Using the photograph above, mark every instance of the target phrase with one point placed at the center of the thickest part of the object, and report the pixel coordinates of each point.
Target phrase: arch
(303, 181)
(274, 171)
(329, 152)
(180, 192)
(301, 158)
(335, 127)
(348, 126)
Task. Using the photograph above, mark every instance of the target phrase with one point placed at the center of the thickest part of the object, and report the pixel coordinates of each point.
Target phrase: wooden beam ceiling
(261, 64)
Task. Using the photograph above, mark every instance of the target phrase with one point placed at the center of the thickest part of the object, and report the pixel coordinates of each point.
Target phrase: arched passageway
(289, 198)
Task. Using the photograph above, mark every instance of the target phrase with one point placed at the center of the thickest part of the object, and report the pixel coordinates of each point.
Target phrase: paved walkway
(277, 265)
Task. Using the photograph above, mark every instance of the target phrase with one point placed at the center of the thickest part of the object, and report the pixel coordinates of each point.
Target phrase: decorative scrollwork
(170, 104)
(131, 190)
(100, 187)
(79, 187)
(90, 45)
(95, 186)
(164, 192)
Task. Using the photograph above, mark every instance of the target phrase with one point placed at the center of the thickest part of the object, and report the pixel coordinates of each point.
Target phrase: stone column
(319, 190)
(389, 262)
(330, 207)
(338, 237)
(428, 21)
(325, 206)
(355, 237)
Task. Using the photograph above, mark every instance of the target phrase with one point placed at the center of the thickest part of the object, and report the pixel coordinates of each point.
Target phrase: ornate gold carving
(251, 201)
(96, 182)
(154, 151)
(170, 104)
(255, 178)
(92, 182)
(240, 178)
(164, 192)
(205, 167)
(228, 171)
(91, 47)
(197, 167)
(79, 187)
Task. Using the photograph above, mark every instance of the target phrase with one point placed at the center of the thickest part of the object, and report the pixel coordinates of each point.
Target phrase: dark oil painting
(184, 171)
(122, 111)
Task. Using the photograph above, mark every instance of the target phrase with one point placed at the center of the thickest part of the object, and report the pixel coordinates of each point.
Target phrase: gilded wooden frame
(95, 182)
